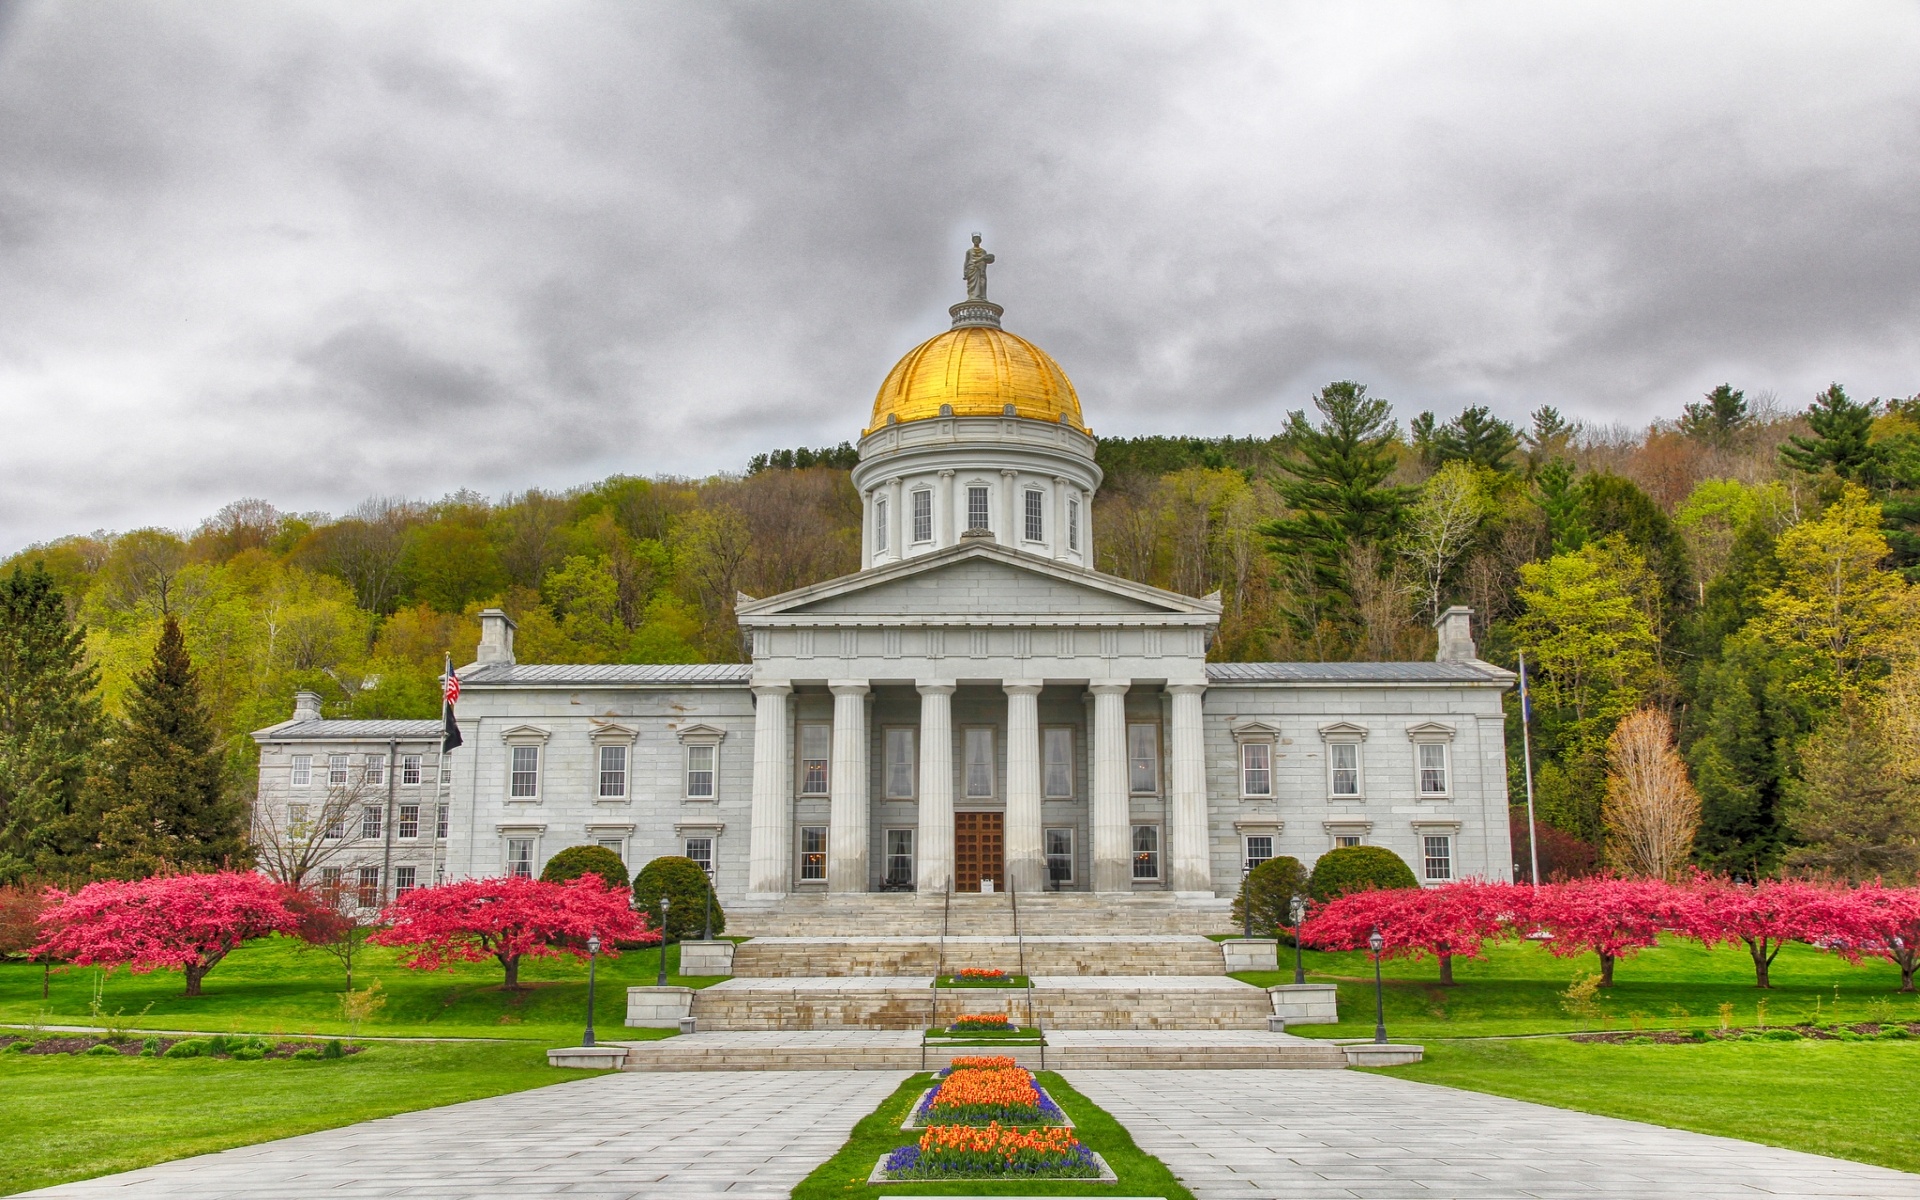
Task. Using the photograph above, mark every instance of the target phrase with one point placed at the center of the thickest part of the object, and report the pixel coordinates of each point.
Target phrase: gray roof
(300, 731)
(1355, 672)
(560, 674)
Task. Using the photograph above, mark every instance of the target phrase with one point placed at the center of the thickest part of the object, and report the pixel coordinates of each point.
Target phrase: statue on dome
(975, 272)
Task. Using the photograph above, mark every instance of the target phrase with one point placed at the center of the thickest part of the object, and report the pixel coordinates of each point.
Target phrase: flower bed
(1864, 1031)
(986, 1096)
(981, 973)
(995, 1152)
(981, 1023)
(222, 1046)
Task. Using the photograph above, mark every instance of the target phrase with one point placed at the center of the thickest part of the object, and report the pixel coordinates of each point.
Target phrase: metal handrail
(939, 966)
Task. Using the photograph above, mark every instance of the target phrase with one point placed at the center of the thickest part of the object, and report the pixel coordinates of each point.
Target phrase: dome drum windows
(922, 501)
(979, 507)
(1034, 510)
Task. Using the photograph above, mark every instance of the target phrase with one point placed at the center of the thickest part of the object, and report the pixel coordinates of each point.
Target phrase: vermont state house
(977, 708)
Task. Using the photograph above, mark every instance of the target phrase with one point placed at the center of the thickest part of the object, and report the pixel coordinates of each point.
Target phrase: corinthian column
(1112, 830)
(770, 832)
(1187, 814)
(850, 803)
(1026, 863)
(934, 853)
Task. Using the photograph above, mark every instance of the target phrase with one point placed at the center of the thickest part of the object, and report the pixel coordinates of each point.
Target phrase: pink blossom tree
(1892, 916)
(472, 920)
(1611, 917)
(1455, 919)
(188, 922)
(1765, 916)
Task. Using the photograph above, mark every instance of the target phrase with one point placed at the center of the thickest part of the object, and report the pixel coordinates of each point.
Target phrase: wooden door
(978, 850)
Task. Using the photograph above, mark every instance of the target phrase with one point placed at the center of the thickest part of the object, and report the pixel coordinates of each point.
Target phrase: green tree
(1855, 808)
(1475, 436)
(1559, 499)
(1743, 725)
(1719, 419)
(450, 565)
(686, 889)
(1549, 441)
(1610, 504)
(1842, 439)
(1587, 627)
(49, 724)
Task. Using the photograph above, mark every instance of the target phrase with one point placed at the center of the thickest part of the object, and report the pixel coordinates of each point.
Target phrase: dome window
(1073, 523)
(1036, 529)
(977, 509)
(923, 515)
(880, 524)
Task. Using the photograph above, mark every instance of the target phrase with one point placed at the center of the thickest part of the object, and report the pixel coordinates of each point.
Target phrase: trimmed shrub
(1357, 869)
(308, 1055)
(685, 886)
(575, 861)
(1780, 1035)
(20, 1047)
(1269, 888)
(249, 1054)
(190, 1048)
(101, 1051)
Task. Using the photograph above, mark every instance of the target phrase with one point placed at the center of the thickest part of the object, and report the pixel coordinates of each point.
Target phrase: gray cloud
(315, 252)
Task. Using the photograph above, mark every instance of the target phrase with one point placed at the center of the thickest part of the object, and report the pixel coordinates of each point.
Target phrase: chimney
(306, 706)
(1456, 636)
(496, 638)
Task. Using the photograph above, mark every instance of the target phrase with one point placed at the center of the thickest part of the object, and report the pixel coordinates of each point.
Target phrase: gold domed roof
(979, 370)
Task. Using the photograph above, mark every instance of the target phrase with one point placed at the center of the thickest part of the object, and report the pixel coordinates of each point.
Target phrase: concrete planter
(706, 958)
(658, 1007)
(1306, 1003)
(1251, 954)
(589, 1058)
(1373, 1054)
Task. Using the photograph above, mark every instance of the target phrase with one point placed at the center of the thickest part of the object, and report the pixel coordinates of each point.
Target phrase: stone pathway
(1337, 1135)
(628, 1135)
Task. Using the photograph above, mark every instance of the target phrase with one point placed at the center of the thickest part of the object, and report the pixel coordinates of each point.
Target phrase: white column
(896, 522)
(1010, 533)
(1026, 860)
(770, 832)
(946, 509)
(849, 805)
(1112, 826)
(866, 529)
(1187, 812)
(1057, 536)
(1086, 530)
(933, 852)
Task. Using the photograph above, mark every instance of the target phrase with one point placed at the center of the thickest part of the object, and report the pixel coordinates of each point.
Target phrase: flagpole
(1526, 743)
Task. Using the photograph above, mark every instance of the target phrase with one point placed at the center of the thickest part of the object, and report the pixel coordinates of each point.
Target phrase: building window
(526, 773)
(700, 850)
(923, 516)
(1433, 768)
(370, 822)
(979, 763)
(899, 764)
(1345, 839)
(520, 858)
(376, 771)
(303, 770)
(330, 886)
(367, 888)
(409, 824)
(336, 770)
(440, 820)
(613, 772)
(899, 858)
(410, 770)
(880, 524)
(1073, 523)
(1259, 849)
(1439, 857)
(978, 500)
(700, 771)
(1056, 750)
(1343, 760)
(297, 820)
(813, 852)
(1059, 849)
(403, 881)
(1146, 852)
(1143, 760)
(1256, 769)
(1036, 528)
(446, 773)
(815, 742)
(336, 826)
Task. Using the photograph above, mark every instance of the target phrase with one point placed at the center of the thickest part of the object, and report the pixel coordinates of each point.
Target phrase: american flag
(451, 690)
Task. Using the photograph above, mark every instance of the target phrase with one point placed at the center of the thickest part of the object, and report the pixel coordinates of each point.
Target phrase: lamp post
(663, 941)
(1298, 911)
(706, 933)
(1376, 943)
(593, 958)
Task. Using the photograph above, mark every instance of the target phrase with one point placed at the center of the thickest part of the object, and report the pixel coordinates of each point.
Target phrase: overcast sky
(314, 252)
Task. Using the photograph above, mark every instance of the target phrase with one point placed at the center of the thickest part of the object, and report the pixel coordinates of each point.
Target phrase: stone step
(906, 914)
(883, 1051)
(1144, 954)
(1117, 1002)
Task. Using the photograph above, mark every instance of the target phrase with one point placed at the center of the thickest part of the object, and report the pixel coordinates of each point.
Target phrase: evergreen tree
(1856, 807)
(1612, 505)
(1744, 724)
(49, 725)
(1560, 503)
(162, 805)
(1842, 441)
(1478, 437)
(1719, 419)
(1548, 441)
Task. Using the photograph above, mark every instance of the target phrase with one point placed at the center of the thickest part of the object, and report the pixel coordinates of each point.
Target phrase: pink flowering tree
(1765, 916)
(1455, 919)
(472, 920)
(1612, 918)
(183, 922)
(1892, 920)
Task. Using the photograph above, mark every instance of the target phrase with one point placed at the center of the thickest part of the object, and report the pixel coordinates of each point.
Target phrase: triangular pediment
(979, 581)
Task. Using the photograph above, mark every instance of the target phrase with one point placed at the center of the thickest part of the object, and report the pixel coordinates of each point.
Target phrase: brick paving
(1339, 1135)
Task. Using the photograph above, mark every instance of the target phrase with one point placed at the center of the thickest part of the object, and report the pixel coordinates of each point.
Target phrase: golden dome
(979, 370)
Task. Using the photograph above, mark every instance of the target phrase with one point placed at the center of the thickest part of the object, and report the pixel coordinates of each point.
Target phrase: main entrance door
(978, 850)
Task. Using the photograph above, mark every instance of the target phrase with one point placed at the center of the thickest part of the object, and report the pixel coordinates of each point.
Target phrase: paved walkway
(629, 1135)
(1337, 1135)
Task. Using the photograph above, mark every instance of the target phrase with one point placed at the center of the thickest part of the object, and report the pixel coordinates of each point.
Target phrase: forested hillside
(1741, 569)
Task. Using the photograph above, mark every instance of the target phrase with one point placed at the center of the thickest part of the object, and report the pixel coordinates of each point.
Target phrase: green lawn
(845, 1174)
(1858, 1100)
(1516, 989)
(272, 985)
(72, 1117)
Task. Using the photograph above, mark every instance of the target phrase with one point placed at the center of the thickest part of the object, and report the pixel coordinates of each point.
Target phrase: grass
(1010, 981)
(845, 1174)
(1843, 1099)
(273, 985)
(68, 1117)
(1678, 984)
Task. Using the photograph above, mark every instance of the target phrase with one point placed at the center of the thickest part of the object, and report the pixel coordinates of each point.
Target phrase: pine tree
(49, 725)
(1843, 439)
(1610, 504)
(1856, 806)
(1719, 419)
(162, 803)
(1478, 437)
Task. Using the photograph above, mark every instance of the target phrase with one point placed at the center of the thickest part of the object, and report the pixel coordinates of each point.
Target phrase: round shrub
(1780, 1035)
(101, 1051)
(1357, 869)
(249, 1054)
(23, 1046)
(307, 1055)
(190, 1048)
(685, 886)
(1270, 889)
(575, 861)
